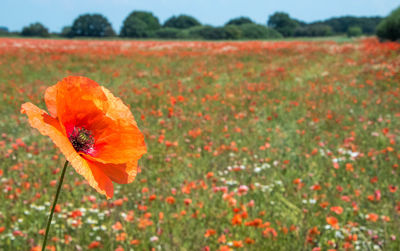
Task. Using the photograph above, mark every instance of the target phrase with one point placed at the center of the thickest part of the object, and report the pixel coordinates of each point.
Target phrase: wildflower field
(288, 145)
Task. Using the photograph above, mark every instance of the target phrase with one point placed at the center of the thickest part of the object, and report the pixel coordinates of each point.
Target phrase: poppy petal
(118, 110)
(117, 143)
(50, 99)
(118, 139)
(50, 126)
(80, 102)
(119, 173)
(104, 184)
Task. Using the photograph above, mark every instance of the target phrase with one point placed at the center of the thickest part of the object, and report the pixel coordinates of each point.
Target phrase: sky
(55, 14)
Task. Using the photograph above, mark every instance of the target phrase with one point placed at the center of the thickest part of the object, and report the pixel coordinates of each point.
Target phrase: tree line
(142, 24)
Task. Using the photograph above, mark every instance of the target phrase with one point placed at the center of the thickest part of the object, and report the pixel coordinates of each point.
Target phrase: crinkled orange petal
(50, 99)
(118, 110)
(117, 143)
(119, 140)
(51, 127)
(80, 102)
(104, 183)
(120, 173)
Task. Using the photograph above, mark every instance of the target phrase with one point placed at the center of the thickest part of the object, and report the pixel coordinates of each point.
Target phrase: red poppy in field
(337, 210)
(95, 131)
(333, 222)
(372, 217)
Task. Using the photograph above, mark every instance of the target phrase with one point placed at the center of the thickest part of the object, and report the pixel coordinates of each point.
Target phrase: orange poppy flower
(337, 210)
(333, 222)
(95, 131)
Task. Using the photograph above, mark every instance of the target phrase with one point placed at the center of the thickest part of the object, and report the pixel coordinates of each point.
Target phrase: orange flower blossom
(95, 131)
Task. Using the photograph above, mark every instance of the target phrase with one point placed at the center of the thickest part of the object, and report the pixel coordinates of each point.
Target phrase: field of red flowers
(289, 145)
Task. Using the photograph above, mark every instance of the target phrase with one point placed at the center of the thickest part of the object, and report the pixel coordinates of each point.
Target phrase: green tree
(3, 31)
(197, 32)
(340, 25)
(140, 24)
(232, 32)
(205, 32)
(354, 31)
(389, 28)
(282, 22)
(66, 31)
(258, 31)
(89, 25)
(169, 33)
(181, 22)
(240, 21)
(35, 30)
(313, 30)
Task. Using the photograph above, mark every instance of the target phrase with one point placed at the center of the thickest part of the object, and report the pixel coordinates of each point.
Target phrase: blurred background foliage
(145, 25)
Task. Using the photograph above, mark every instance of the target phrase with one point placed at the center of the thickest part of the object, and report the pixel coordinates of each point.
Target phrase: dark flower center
(81, 139)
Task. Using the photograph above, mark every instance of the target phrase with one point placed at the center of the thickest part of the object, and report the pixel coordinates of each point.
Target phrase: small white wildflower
(153, 238)
(265, 165)
(257, 170)
(93, 210)
(40, 208)
(91, 221)
(354, 154)
(231, 182)
(265, 188)
(339, 235)
(376, 247)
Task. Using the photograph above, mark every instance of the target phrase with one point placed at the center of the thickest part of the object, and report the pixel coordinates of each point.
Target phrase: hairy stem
(54, 204)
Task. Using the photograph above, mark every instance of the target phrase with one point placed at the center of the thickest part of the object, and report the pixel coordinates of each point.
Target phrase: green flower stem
(54, 204)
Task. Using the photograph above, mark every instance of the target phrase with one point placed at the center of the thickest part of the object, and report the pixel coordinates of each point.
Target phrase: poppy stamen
(81, 139)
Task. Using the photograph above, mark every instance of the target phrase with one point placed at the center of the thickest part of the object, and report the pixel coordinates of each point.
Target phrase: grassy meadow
(286, 145)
